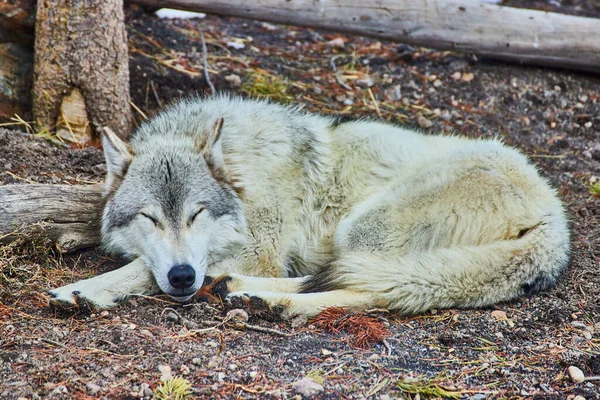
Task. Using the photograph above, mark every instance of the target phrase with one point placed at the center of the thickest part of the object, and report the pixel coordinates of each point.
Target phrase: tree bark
(68, 215)
(524, 36)
(17, 18)
(81, 46)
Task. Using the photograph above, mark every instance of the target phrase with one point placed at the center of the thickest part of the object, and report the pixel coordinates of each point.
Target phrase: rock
(232, 367)
(93, 388)
(499, 315)
(340, 98)
(445, 116)
(234, 80)
(145, 391)
(394, 93)
(253, 374)
(236, 45)
(588, 124)
(467, 77)
(437, 83)
(171, 316)
(59, 390)
(147, 333)
(587, 154)
(307, 387)
(424, 122)
(165, 372)
(214, 362)
(317, 90)
(197, 361)
(299, 321)
(366, 82)
(237, 318)
(337, 43)
(576, 374)
(348, 102)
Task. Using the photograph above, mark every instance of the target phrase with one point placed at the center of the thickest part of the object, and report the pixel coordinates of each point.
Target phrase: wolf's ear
(118, 156)
(210, 147)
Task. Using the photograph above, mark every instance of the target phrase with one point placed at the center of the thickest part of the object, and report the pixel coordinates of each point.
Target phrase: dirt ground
(517, 350)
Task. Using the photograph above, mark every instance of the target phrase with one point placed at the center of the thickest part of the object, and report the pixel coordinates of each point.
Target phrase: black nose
(182, 276)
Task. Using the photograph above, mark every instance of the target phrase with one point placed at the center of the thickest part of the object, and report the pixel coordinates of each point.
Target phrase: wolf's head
(171, 206)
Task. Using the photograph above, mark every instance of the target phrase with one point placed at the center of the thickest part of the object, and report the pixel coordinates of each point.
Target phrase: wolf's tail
(462, 276)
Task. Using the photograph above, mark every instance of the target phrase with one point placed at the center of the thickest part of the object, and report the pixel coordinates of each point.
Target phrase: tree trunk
(525, 36)
(81, 56)
(68, 215)
(17, 18)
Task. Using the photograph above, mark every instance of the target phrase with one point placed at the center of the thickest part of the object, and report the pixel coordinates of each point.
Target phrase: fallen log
(499, 32)
(68, 215)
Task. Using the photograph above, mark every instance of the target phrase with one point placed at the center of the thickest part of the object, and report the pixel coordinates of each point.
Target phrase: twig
(374, 102)
(266, 330)
(387, 346)
(205, 64)
(158, 100)
(54, 343)
(136, 108)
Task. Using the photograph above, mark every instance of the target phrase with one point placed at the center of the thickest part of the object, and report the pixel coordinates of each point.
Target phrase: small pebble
(145, 391)
(394, 93)
(165, 372)
(576, 374)
(147, 333)
(336, 43)
(237, 318)
(197, 361)
(424, 122)
(234, 80)
(93, 388)
(307, 387)
(299, 321)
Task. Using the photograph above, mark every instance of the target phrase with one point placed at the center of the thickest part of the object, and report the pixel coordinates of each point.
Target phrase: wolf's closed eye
(191, 221)
(151, 218)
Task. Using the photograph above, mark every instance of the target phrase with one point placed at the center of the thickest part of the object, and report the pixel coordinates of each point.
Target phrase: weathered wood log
(524, 36)
(81, 53)
(68, 215)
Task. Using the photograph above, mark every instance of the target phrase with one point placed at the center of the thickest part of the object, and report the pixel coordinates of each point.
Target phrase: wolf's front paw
(82, 296)
(258, 305)
(214, 288)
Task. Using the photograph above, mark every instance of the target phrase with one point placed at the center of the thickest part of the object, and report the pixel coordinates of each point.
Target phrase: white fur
(400, 219)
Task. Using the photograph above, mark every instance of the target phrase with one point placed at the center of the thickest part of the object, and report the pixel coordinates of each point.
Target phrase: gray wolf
(287, 213)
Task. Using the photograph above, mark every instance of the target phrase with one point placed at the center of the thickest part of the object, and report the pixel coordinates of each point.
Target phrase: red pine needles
(364, 330)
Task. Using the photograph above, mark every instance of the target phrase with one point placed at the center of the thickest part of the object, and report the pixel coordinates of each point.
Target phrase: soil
(520, 349)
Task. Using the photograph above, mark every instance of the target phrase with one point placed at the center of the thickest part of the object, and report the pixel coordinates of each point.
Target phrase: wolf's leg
(222, 285)
(106, 290)
(284, 306)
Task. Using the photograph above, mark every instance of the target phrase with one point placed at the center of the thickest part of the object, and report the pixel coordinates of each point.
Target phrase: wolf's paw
(214, 288)
(83, 297)
(258, 305)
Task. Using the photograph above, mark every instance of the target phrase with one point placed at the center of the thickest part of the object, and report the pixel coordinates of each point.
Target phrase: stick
(205, 64)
